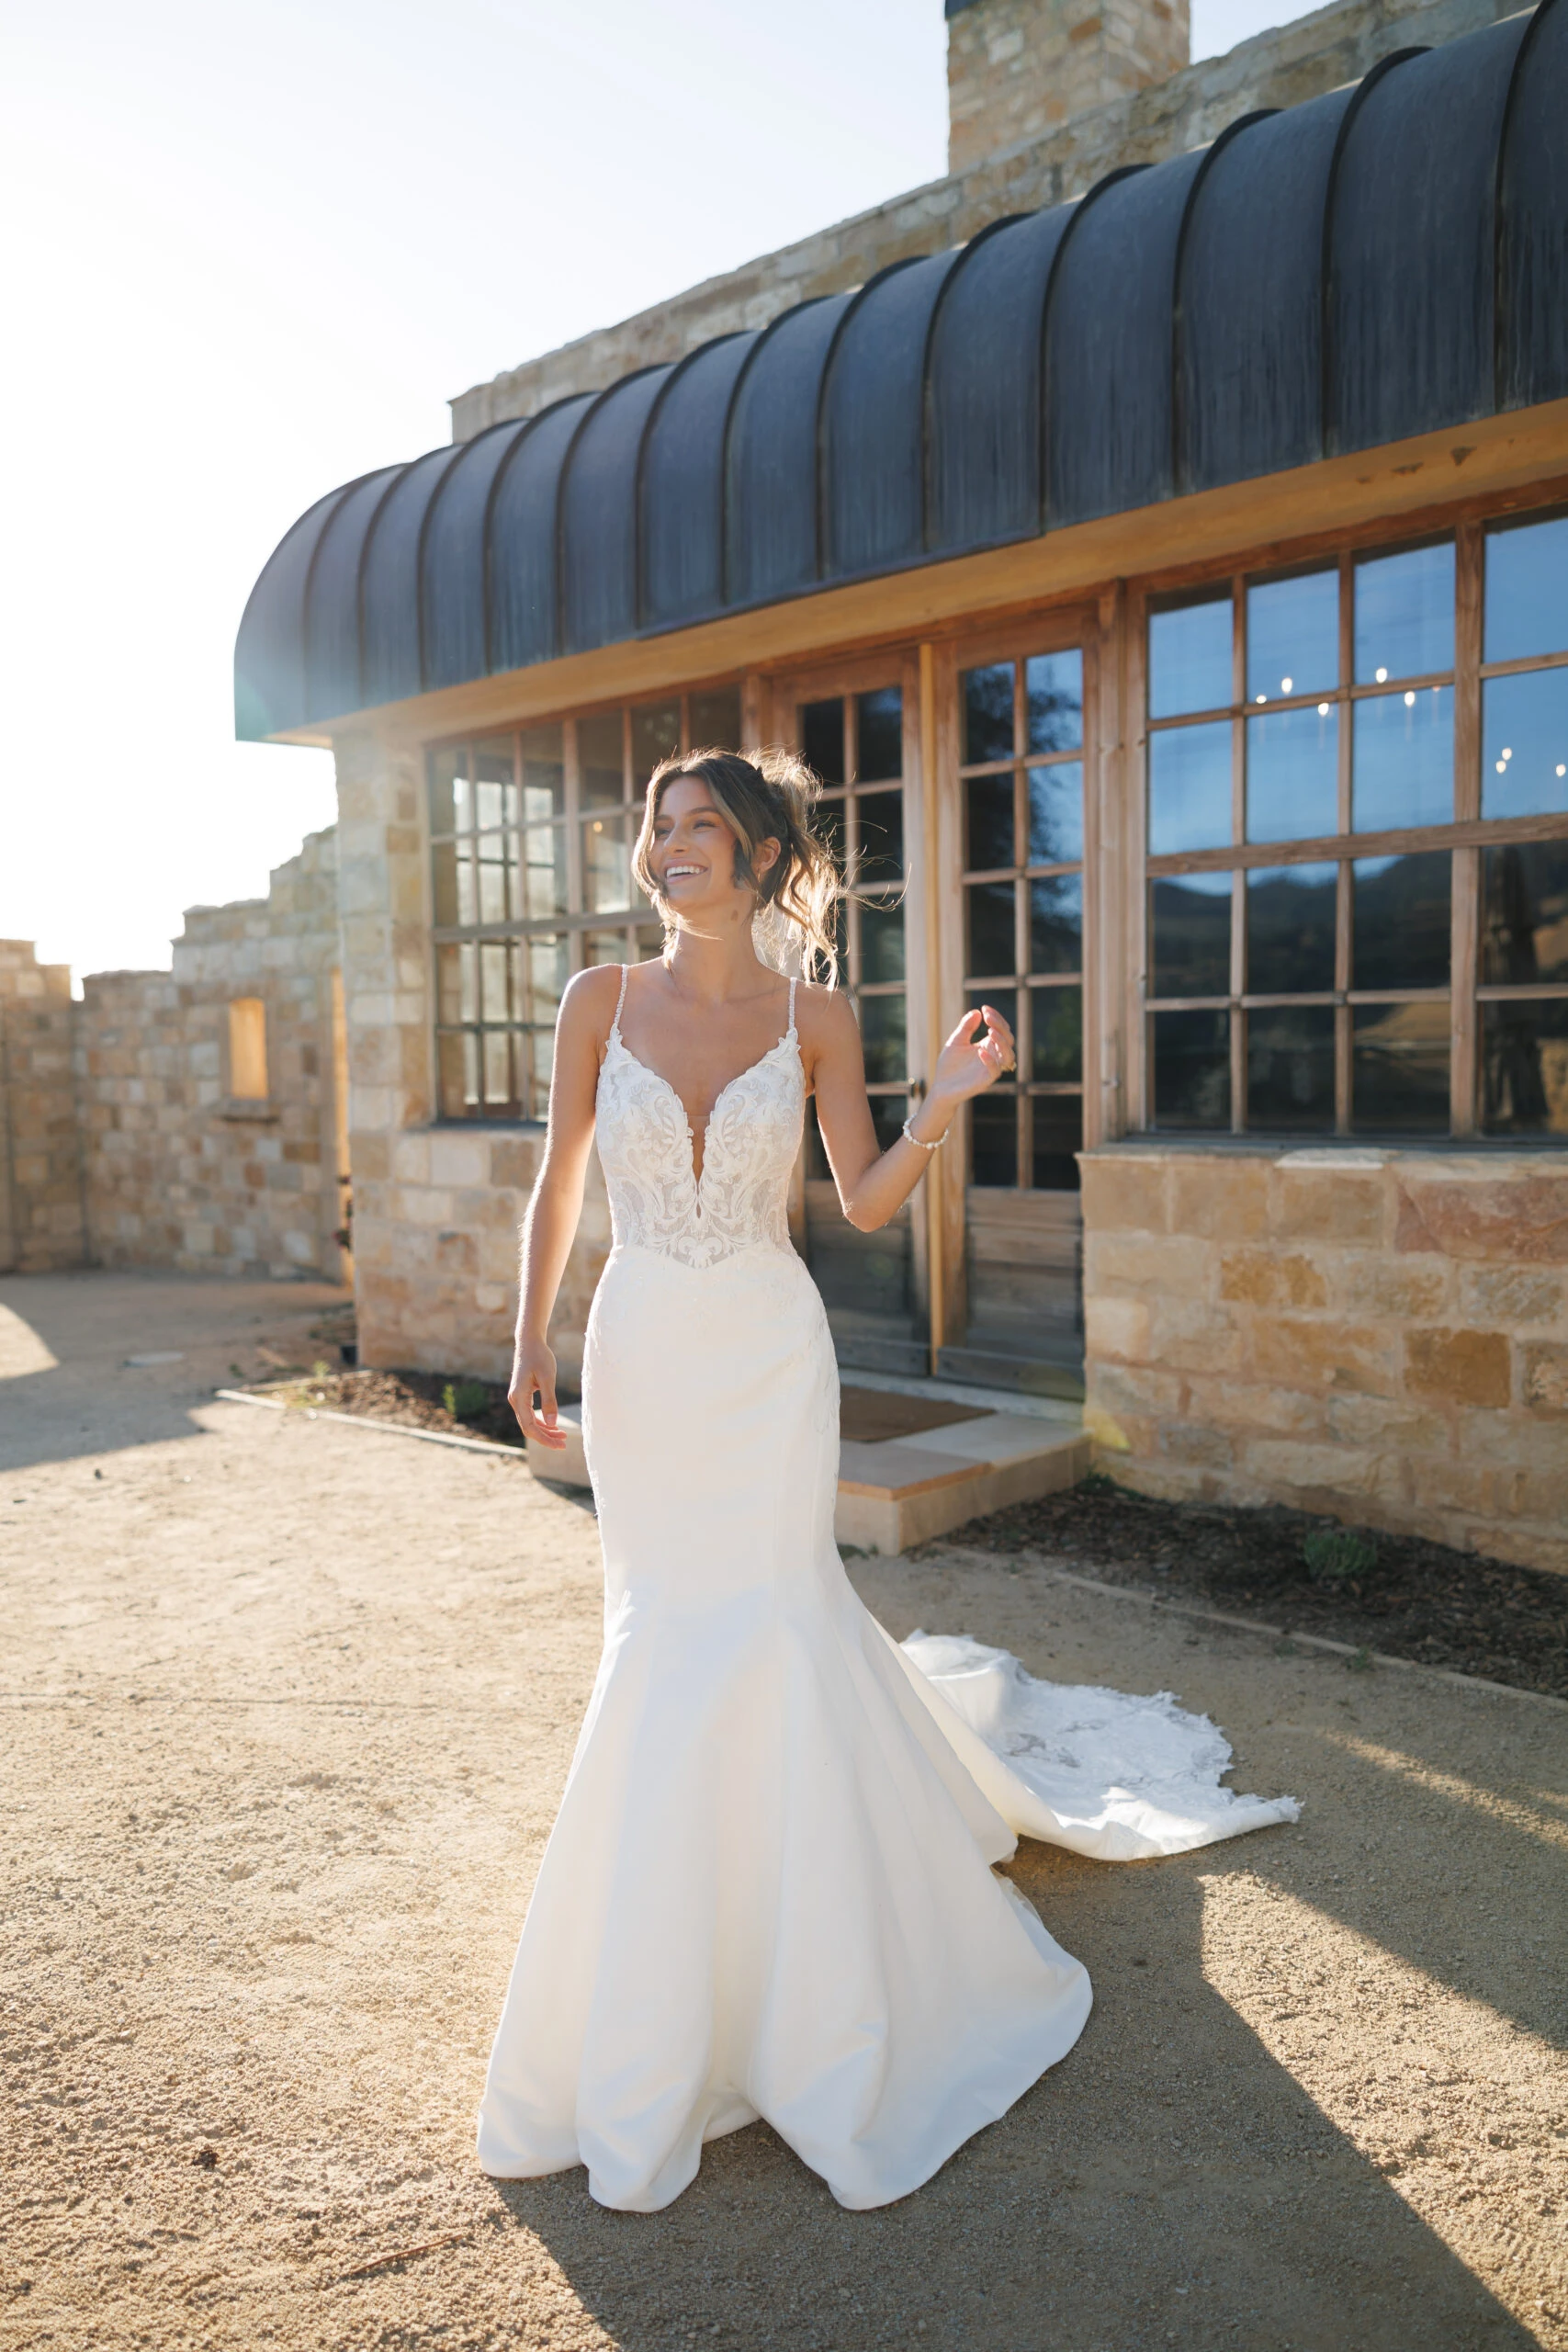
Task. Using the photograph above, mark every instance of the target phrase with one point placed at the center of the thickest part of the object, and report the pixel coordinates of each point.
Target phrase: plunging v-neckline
(673, 1092)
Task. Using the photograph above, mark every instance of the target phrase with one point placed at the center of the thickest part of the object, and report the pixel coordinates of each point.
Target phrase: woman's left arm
(874, 1185)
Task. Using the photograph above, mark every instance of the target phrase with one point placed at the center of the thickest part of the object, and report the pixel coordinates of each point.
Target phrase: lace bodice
(646, 1146)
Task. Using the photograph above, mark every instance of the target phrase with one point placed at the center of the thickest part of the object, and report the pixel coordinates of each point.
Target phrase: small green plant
(464, 1398)
(1338, 1554)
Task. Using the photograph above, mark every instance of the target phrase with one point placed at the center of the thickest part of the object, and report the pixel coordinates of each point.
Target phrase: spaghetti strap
(616, 1024)
(790, 1030)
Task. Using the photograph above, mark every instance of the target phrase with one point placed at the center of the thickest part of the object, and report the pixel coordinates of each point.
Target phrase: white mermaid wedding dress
(769, 1888)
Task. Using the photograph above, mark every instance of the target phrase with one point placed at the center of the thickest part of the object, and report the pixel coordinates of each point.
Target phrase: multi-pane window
(854, 744)
(1022, 790)
(531, 843)
(1358, 843)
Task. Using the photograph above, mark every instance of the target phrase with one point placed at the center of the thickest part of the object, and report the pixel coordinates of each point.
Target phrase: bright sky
(254, 248)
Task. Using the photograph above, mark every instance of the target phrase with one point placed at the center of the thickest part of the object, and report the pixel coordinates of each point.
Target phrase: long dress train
(768, 1891)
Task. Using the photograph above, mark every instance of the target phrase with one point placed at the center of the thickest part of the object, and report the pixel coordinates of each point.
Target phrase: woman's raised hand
(534, 1372)
(980, 1051)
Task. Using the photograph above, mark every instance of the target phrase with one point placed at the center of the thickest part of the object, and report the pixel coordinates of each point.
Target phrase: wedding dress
(769, 1888)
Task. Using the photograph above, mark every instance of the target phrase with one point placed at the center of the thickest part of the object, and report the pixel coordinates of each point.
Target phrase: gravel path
(286, 1709)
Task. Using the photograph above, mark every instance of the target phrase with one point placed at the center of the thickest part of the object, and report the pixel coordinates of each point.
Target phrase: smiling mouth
(673, 872)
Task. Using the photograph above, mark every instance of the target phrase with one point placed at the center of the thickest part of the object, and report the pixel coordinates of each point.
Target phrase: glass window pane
(499, 1093)
(495, 783)
(468, 1004)
(879, 734)
(1292, 636)
(1192, 921)
(881, 819)
(467, 885)
(544, 871)
(494, 980)
(1055, 814)
(457, 1065)
(987, 713)
(604, 948)
(602, 784)
(992, 947)
(1290, 1068)
(448, 986)
(1192, 1069)
(1057, 1122)
(1290, 929)
(1057, 1018)
(1292, 774)
(1053, 713)
(1055, 923)
(881, 942)
(1399, 1069)
(1190, 789)
(443, 884)
(1524, 929)
(714, 720)
(882, 1036)
(492, 859)
(1524, 1060)
(1399, 930)
(1527, 590)
(537, 1049)
(989, 807)
(1189, 658)
(606, 864)
(443, 771)
(546, 979)
(656, 734)
(827, 822)
(1405, 614)
(544, 774)
(822, 739)
(1524, 744)
(1403, 760)
(993, 1140)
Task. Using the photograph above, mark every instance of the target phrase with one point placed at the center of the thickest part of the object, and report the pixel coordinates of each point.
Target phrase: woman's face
(693, 855)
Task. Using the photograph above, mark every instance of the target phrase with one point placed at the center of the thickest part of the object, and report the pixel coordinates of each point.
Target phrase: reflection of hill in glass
(1401, 934)
(1526, 920)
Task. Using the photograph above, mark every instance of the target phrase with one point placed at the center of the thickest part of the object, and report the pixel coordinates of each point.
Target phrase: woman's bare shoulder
(823, 1016)
(588, 1004)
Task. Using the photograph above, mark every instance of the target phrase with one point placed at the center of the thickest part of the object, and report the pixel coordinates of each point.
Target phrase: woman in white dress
(769, 1888)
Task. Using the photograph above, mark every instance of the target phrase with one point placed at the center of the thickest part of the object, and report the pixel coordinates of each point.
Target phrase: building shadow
(1168, 2183)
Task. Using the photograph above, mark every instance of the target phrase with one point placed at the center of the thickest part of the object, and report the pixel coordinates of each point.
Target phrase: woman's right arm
(556, 1201)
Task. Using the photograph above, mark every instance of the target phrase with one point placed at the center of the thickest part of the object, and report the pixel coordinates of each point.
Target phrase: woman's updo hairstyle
(765, 795)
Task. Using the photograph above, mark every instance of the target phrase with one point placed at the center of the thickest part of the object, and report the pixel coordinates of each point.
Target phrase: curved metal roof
(1386, 260)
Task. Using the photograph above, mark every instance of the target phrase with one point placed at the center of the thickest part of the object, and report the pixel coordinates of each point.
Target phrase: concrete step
(904, 1491)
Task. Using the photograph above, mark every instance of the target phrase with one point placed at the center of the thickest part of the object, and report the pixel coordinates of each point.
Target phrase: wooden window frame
(591, 936)
(1464, 838)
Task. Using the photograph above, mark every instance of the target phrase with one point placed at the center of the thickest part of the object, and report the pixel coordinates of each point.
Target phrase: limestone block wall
(1379, 1335)
(1278, 68)
(1019, 69)
(41, 1142)
(179, 1171)
(437, 1206)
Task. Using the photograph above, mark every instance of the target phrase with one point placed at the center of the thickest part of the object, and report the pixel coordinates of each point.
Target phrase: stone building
(195, 1118)
(1156, 533)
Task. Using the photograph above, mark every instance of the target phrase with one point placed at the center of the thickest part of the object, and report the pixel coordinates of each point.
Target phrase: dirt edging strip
(971, 1557)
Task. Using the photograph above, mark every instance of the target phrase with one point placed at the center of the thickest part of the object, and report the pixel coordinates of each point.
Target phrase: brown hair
(765, 795)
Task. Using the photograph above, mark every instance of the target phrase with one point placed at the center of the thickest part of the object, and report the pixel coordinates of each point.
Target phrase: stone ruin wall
(1378, 1335)
(120, 1142)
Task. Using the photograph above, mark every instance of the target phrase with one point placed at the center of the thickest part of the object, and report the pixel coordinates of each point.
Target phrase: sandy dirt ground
(288, 1706)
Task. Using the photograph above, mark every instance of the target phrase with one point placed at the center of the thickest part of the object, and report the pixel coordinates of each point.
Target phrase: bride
(769, 1888)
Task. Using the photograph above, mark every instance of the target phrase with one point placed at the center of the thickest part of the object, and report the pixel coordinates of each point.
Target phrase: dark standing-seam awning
(1387, 260)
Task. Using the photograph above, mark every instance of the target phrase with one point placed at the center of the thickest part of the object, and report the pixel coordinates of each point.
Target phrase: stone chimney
(1017, 69)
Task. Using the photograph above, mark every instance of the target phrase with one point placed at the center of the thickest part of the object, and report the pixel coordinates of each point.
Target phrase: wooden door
(1013, 916)
(858, 726)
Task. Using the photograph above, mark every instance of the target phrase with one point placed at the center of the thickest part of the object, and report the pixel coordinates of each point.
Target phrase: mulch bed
(456, 1405)
(1418, 1601)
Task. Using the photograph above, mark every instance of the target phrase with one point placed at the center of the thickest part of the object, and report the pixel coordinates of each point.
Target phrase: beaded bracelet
(915, 1139)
